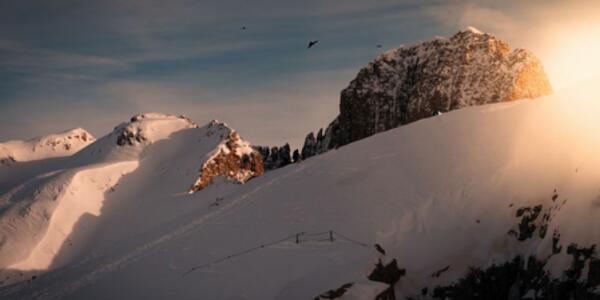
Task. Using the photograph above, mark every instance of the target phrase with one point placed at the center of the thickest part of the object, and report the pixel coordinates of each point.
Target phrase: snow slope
(21, 160)
(438, 192)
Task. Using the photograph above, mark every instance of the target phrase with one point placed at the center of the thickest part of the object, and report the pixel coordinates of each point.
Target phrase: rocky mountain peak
(234, 158)
(410, 83)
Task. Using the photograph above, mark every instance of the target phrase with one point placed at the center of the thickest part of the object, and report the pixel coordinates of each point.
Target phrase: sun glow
(571, 54)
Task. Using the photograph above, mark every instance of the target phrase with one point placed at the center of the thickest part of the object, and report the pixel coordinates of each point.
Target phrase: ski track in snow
(68, 287)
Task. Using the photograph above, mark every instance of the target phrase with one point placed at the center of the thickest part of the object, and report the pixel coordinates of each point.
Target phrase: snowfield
(439, 192)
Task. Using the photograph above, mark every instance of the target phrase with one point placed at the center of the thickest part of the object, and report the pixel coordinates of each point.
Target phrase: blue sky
(93, 64)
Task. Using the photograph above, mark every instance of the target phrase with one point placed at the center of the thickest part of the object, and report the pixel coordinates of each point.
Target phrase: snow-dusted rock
(150, 127)
(234, 159)
(129, 140)
(410, 83)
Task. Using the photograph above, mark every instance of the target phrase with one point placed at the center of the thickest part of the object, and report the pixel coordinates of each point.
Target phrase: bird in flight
(243, 28)
(311, 43)
(379, 249)
(378, 45)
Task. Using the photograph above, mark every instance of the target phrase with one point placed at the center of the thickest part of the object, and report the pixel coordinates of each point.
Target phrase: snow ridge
(54, 145)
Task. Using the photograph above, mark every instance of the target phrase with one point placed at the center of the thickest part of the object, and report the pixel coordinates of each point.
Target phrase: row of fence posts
(287, 238)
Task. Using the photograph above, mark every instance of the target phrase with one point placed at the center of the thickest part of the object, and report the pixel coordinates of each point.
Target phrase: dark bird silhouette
(378, 46)
(311, 44)
(243, 28)
(439, 272)
(379, 249)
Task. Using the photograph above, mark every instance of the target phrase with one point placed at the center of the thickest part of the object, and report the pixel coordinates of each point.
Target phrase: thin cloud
(19, 55)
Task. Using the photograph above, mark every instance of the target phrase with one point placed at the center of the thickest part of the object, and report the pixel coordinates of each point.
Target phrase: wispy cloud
(95, 63)
(16, 54)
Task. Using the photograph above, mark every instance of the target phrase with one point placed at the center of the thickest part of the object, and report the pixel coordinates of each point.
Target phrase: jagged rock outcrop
(275, 157)
(315, 145)
(389, 274)
(234, 159)
(410, 83)
(310, 146)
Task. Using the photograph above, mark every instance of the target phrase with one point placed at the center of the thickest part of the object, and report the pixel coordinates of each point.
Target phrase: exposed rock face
(411, 83)
(223, 152)
(316, 145)
(275, 157)
(389, 274)
(310, 146)
(234, 159)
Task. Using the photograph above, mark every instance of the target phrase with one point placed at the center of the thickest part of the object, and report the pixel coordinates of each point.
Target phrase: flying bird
(243, 28)
(379, 249)
(378, 46)
(312, 43)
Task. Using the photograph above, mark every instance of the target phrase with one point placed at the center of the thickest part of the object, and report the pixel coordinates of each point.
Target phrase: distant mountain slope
(410, 83)
(22, 160)
(54, 145)
(474, 187)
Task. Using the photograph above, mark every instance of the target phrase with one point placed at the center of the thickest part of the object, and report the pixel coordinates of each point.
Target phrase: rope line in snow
(292, 237)
(351, 240)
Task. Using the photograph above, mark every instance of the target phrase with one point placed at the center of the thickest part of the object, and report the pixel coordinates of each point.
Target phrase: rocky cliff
(234, 159)
(410, 83)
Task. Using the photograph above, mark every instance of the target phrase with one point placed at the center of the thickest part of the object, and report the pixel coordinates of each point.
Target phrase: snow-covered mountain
(38, 216)
(510, 189)
(55, 145)
(410, 83)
